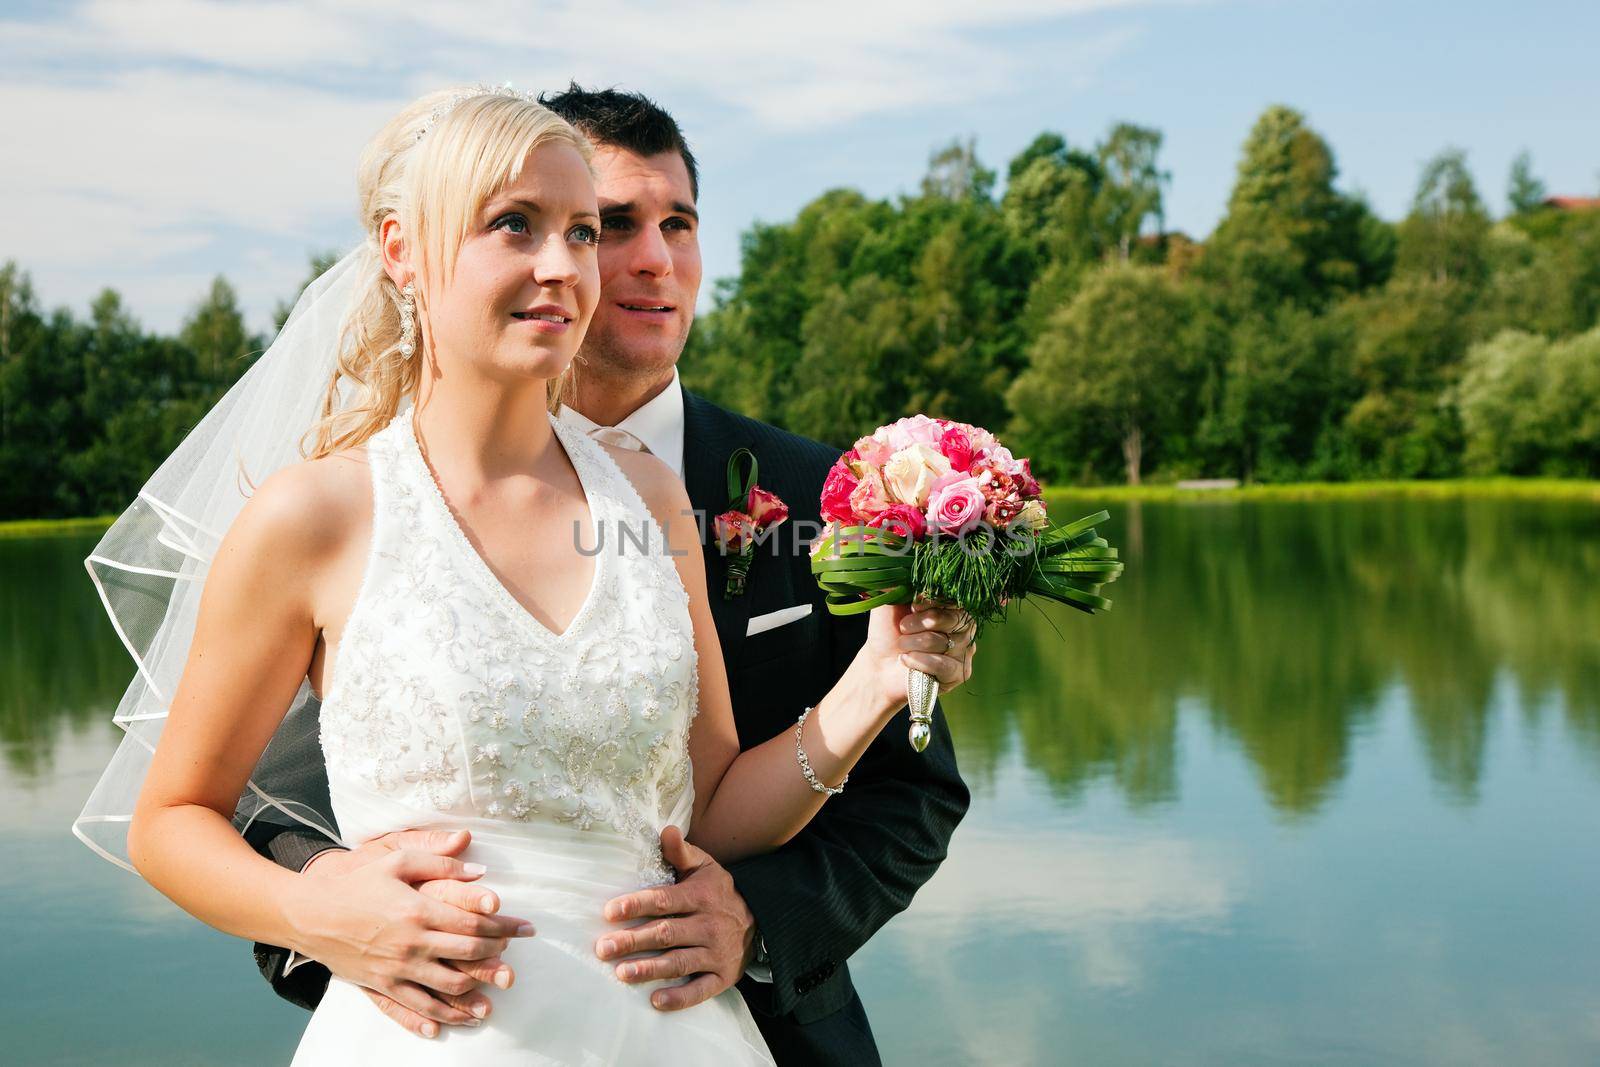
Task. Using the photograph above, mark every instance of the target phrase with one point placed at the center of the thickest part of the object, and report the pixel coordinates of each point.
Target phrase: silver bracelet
(805, 764)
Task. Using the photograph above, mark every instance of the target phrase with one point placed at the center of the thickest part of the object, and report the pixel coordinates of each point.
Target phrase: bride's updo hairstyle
(434, 165)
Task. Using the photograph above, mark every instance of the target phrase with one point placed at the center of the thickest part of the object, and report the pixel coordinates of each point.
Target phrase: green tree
(1532, 406)
(1526, 192)
(1131, 192)
(1284, 380)
(1408, 341)
(1498, 403)
(1445, 235)
(215, 332)
(1117, 362)
(1289, 235)
(955, 173)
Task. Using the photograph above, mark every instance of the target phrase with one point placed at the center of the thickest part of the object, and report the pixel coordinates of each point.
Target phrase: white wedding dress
(564, 754)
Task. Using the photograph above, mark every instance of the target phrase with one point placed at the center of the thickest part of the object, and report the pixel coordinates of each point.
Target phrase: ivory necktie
(614, 435)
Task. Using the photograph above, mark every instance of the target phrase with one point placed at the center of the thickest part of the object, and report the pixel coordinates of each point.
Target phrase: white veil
(150, 566)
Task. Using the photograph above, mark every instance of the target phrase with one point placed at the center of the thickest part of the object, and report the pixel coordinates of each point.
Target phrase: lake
(1322, 788)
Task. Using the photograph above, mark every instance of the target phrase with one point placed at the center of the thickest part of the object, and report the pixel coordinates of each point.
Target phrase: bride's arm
(753, 801)
(253, 642)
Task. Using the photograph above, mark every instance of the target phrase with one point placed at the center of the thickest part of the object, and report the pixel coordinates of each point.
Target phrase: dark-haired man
(781, 925)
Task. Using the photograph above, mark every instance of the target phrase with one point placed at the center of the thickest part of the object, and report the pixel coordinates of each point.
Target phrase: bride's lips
(545, 318)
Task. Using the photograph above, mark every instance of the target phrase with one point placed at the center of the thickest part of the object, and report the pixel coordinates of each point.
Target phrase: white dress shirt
(658, 422)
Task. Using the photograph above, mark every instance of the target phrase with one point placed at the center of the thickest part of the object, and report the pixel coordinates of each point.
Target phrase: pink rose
(1026, 481)
(869, 497)
(902, 519)
(734, 529)
(956, 504)
(956, 444)
(914, 430)
(871, 451)
(1001, 459)
(836, 490)
(765, 508)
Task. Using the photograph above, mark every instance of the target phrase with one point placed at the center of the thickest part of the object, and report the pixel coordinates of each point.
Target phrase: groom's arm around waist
(820, 897)
(291, 847)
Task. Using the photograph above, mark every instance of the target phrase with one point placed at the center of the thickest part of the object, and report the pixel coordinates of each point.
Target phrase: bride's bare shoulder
(655, 483)
(311, 509)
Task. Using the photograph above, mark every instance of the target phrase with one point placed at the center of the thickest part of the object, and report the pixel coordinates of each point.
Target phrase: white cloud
(151, 143)
(1103, 893)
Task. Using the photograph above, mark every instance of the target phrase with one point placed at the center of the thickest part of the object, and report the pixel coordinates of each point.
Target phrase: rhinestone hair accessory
(462, 96)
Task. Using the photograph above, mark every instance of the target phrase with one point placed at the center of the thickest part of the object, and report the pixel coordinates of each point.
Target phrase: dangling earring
(408, 321)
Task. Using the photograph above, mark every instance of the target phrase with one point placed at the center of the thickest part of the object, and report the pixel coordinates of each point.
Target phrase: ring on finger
(949, 643)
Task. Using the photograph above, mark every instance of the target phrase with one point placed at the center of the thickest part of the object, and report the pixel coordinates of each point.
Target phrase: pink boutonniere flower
(752, 511)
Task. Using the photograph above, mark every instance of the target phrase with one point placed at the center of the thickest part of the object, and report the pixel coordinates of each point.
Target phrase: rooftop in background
(1573, 203)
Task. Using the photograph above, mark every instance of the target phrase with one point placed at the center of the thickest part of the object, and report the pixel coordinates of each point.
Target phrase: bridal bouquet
(940, 510)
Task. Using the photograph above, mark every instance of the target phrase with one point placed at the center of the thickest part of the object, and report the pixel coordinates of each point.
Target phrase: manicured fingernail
(607, 948)
(480, 1009)
(525, 930)
(475, 868)
(502, 978)
(430, 1029)
(628, 970)
(473, 1022)
(486, 903)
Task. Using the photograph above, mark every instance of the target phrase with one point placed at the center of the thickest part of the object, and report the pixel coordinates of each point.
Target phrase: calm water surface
(1324, 787)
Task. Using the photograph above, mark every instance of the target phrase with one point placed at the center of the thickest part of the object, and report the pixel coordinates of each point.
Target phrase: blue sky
(155, 144)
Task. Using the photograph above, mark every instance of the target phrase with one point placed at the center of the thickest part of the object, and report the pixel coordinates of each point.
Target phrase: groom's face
(649, 261)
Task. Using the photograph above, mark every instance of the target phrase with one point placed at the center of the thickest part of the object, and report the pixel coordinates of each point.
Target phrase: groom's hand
(426, 1007)
(701, 926)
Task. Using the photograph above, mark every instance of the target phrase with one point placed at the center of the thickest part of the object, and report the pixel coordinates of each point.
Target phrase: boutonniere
(751, 511)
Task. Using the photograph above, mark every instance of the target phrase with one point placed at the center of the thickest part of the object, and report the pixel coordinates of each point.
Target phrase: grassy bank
(1483, 488)
(54, 527)
(1457, 488)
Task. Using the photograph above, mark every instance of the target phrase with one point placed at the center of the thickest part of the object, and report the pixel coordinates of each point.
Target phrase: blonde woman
(461, 577)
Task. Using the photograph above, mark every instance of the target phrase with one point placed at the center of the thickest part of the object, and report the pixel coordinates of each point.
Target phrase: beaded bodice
(448, 697)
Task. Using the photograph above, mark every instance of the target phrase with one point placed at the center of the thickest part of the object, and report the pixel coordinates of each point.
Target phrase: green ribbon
(861, 567)
(740, 482)
(739, 487)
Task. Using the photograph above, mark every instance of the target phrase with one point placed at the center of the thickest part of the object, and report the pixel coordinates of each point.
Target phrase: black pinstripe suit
(821, 896)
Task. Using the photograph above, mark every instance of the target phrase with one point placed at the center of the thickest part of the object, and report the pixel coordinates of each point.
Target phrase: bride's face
(526, 280)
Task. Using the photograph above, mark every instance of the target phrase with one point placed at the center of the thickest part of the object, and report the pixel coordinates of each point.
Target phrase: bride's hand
(401, 923)
(932, 638)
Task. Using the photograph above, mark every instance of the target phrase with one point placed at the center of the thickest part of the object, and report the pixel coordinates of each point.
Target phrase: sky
(153, 144)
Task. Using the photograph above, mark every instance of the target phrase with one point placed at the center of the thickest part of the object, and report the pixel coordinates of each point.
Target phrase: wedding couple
(518, 732)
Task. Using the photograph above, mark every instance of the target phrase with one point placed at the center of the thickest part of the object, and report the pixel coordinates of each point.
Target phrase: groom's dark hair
(630, 121)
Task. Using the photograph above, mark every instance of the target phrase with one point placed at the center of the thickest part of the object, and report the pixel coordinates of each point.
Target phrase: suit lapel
(708, 441)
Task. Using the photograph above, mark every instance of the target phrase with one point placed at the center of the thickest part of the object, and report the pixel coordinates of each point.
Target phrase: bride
(460, 575)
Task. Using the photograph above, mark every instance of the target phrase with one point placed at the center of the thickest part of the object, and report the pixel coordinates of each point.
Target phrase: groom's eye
(616, 224)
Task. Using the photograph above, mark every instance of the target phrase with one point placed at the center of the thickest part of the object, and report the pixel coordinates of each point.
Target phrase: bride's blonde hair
(434, 165)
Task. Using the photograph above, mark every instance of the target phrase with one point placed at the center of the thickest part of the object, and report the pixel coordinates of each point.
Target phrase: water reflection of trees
(1287, 623)
(1284, 623)
(61, 664)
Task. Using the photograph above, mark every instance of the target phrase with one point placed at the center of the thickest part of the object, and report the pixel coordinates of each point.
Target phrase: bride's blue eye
(511, 222)
(584, 232)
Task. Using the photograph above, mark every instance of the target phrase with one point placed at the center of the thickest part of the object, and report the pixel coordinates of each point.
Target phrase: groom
(787, 921)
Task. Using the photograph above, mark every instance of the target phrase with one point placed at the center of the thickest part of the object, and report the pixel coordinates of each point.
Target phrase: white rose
(910, 473)
(1032, 516)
